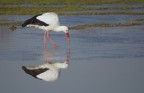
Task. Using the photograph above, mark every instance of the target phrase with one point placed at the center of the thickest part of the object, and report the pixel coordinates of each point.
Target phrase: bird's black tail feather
(34, 21)
(30, 72)
(34, 72)
(29, 21)
(25, 24)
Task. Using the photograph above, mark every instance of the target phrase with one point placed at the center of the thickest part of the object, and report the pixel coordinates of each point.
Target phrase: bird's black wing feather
(34, 21)
(34, 72)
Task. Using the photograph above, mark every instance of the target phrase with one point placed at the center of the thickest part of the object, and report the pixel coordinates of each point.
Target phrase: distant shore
(73, 8)
(11, 2)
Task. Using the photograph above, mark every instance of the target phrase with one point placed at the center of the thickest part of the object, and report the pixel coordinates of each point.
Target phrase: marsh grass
(21, 10)
(102, 13)
(139, 19)
(36, 10)
(83, 26)
(10, 23)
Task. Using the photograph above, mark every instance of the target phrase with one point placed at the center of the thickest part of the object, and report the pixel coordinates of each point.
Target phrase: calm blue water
(102, 60)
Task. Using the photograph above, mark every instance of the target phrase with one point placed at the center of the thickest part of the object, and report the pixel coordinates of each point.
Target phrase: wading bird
(48, 22)
(49, 71)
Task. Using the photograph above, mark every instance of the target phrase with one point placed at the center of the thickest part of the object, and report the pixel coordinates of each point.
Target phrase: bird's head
(65, 30)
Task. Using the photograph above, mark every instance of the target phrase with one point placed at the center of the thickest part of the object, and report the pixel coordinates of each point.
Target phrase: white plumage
(48, 22)
(48, 72)
(50, 18)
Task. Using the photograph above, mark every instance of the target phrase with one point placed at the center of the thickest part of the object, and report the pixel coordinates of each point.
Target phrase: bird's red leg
(52, 41)
(45, 38)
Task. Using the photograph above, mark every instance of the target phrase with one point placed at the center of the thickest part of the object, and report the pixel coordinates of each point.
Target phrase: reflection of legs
(46, 57)
(45, 45)
(45, 38)
(68, 56)
(52, 41)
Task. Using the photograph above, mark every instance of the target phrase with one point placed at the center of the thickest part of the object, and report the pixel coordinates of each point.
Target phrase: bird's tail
(34, 71)
(23, 25)
(29, 21)
(30, 72)
(34, 21)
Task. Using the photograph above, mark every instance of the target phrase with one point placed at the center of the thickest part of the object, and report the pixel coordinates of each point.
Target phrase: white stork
(49, 71)
(48, 22)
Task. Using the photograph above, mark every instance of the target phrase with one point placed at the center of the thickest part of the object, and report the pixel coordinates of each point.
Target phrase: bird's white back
(50, 18)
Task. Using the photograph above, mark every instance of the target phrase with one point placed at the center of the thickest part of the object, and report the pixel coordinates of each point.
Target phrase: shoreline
(84, 26)
(70, 2)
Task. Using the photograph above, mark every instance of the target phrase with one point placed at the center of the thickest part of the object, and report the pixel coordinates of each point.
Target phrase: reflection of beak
(67, 61)
(68, 37)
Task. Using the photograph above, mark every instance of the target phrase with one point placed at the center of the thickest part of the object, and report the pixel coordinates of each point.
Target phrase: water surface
(102, 60)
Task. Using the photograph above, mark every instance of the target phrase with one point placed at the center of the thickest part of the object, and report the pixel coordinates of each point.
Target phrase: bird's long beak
(68, 37)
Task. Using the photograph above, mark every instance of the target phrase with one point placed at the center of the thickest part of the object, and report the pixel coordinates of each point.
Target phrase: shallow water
(101, 60)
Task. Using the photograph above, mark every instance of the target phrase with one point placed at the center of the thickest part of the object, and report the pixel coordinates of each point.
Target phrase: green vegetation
(139, 19)
(8, 23)
(68, 1)
(36, 10)
(66, 10)
(103, 13)
(82, 26)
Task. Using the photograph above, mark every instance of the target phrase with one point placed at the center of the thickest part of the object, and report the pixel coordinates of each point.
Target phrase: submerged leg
(52, 41)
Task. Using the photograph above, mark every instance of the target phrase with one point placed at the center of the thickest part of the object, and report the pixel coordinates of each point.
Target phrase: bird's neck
(61, 65)
(59, 29)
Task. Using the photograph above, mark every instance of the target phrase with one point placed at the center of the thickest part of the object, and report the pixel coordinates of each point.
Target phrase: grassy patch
(102, 13)
(19, 10)
(36, 10)
(140, 19)
(10, 23)
(106, 25)
(5, 22)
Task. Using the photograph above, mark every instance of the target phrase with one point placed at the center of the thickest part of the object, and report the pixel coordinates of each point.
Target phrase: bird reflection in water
(49, 71)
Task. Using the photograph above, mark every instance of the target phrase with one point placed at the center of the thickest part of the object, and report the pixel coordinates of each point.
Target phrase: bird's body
(48, 22)
(49, 71)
